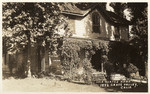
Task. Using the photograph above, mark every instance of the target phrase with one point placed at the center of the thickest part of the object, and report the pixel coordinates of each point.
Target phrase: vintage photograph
(74, 47)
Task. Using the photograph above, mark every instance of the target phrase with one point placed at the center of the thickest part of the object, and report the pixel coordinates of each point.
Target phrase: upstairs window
(96, 22)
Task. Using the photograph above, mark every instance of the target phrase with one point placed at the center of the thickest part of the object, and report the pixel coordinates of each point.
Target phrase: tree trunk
(43, 60)
(28, 71)
(39, 59)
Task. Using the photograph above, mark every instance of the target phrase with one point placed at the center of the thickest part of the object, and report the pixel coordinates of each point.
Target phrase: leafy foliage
(77, 54)
(132, 68)
(119, 52)
(27, 25)
(119, 8)
(138, 10)
(139, 38)
(41, 20)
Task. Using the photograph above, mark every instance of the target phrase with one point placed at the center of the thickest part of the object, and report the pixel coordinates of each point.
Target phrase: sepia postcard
(75, 47)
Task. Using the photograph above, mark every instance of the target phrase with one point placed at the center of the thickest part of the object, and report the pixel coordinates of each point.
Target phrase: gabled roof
(111, 17)
(72, 9)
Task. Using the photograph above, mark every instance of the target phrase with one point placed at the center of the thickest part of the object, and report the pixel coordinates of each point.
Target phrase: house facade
(96, 23)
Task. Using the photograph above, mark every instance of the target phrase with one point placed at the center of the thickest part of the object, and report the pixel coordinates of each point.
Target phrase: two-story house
(96, 22)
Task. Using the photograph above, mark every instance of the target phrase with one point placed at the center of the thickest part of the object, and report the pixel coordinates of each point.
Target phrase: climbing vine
(76, 57)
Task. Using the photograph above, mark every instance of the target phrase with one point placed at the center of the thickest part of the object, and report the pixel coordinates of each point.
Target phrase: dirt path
(46, 85)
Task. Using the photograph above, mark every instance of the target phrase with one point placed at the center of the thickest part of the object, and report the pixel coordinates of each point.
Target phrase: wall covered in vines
(76, 57)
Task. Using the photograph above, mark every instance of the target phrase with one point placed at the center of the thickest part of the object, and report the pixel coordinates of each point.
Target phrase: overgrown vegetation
(76, 57)
(139, 32)
(27, 25)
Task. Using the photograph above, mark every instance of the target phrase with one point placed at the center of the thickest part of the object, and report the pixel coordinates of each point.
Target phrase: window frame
(96, 22)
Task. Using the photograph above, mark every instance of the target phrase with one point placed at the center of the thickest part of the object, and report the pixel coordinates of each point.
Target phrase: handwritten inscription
(122, 84)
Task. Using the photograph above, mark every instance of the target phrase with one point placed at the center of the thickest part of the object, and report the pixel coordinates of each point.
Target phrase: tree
(119, 8)
(139, 40)
(140, 35)
(31, 24)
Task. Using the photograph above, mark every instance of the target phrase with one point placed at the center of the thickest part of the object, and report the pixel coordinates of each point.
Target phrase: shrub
(132, 68)
(78, 52)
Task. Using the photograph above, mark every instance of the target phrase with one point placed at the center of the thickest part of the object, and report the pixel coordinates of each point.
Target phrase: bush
(77, 53)
(132, 68)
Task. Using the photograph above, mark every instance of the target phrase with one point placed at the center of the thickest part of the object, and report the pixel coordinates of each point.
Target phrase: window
(96, 22)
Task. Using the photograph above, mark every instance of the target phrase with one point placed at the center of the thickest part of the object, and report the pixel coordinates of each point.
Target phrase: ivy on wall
(76, 57)
(77, 54)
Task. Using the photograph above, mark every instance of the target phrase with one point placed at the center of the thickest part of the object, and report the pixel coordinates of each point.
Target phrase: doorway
(96, 61)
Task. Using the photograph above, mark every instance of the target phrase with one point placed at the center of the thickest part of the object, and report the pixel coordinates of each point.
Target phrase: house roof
(72, 9)
(111, 17)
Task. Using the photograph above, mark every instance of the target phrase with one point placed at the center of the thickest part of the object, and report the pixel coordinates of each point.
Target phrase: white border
(74, 0)
(69, 1)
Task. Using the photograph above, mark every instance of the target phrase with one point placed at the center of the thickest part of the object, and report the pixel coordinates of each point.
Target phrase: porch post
(146, 69)
(43, 64)
(102, 68)
(49, 59)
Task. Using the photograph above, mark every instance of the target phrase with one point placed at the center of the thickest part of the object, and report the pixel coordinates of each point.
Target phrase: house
(96, 22)
(93, 24)
(85, 24)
